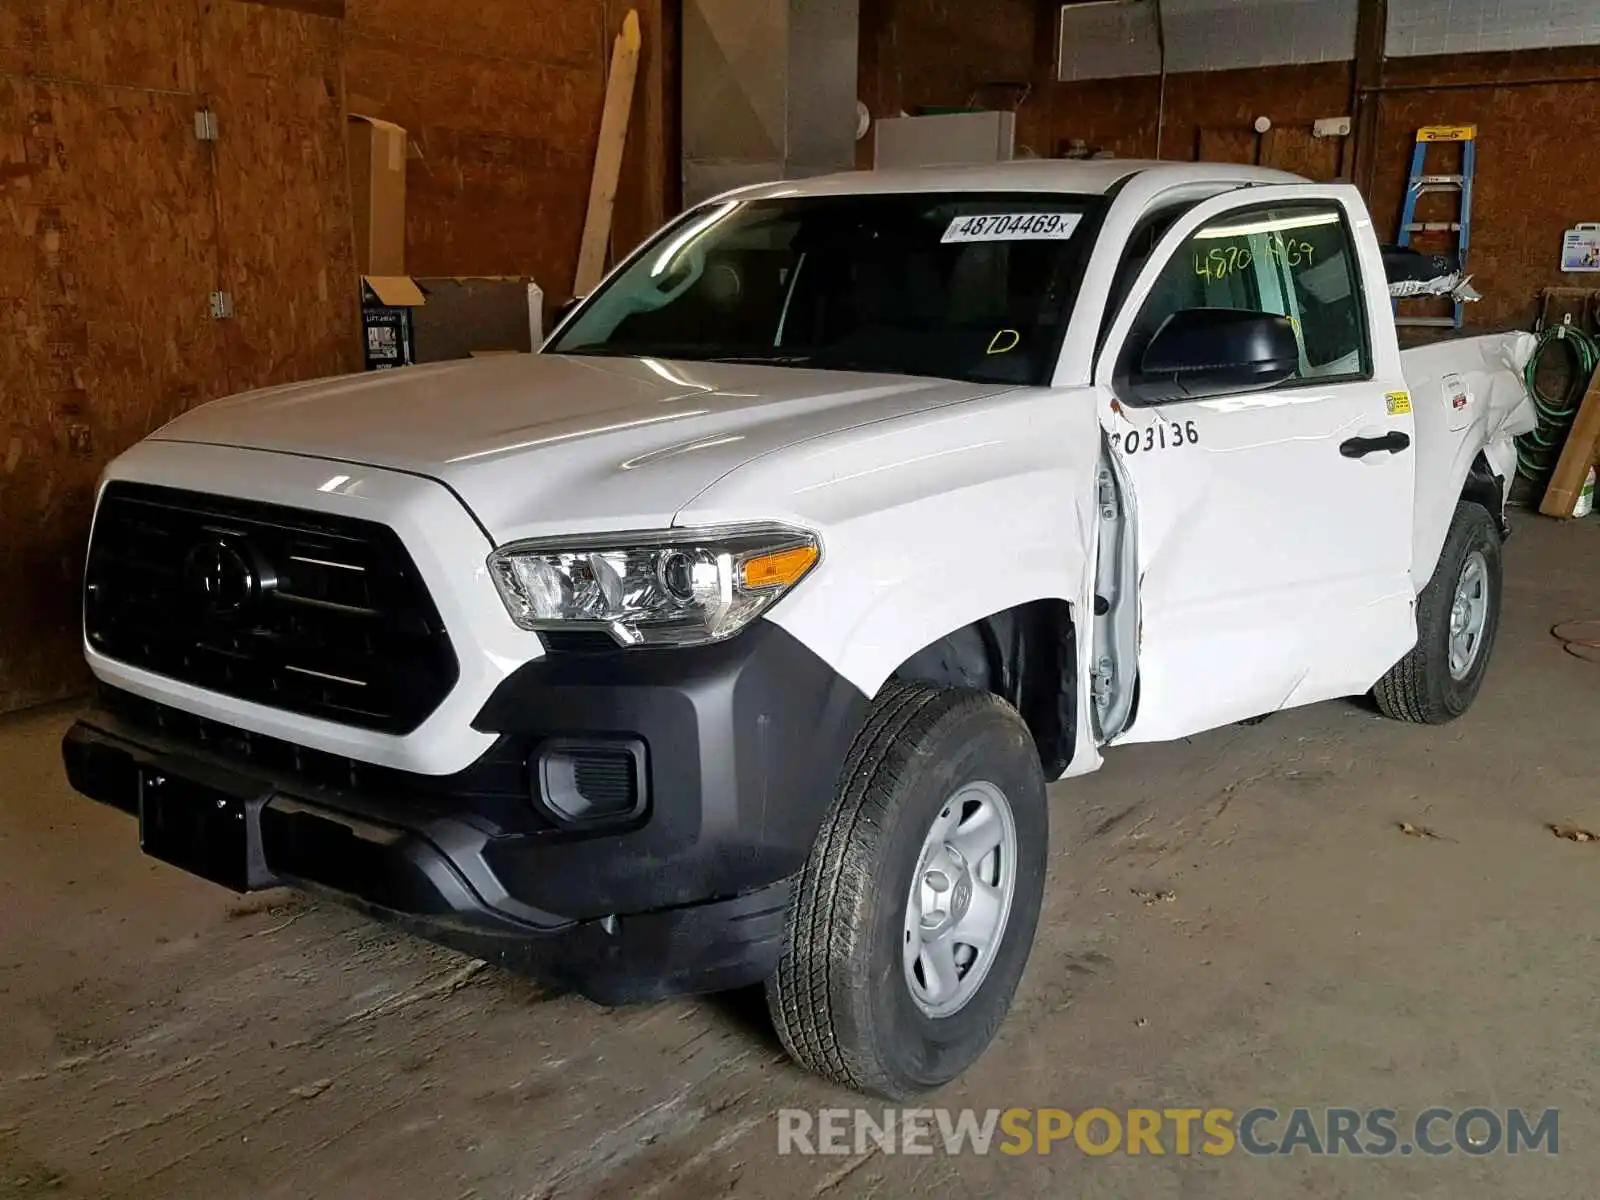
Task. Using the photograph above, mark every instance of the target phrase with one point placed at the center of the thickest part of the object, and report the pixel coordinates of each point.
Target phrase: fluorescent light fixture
(1276, 225)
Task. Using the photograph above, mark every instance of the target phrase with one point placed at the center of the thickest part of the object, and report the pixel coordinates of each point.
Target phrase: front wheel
(1458, 615)
(917, 908)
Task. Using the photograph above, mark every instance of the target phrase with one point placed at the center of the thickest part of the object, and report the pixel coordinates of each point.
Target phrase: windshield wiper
(777, 360)
(822, 360)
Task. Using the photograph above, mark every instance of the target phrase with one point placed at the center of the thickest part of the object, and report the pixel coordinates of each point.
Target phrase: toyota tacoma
(734, 637)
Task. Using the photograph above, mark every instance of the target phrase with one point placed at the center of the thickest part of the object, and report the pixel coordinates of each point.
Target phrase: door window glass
(1296, 262)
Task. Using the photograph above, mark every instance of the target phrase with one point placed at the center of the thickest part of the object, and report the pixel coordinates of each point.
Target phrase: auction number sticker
(1161, 435)
(1013, 227)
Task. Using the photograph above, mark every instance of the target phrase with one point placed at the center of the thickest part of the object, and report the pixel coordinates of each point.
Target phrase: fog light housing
(587, 783)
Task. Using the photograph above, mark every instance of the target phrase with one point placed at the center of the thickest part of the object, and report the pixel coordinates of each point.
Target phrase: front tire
(1458, 616)
(916, 911)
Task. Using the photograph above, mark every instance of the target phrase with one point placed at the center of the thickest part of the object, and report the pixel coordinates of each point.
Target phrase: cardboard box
(388, 337)
(378, 194)
(468, 316)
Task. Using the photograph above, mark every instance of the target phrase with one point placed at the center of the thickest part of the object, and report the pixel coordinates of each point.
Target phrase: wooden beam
(1360, 151)
(608, 157)
(647, 193)
(877, 70)
(1577, 456)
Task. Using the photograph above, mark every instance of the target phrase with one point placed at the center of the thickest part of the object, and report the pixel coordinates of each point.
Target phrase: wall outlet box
(1331, 127)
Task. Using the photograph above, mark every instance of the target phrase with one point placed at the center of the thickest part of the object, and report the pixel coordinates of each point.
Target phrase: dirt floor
(1233, 921)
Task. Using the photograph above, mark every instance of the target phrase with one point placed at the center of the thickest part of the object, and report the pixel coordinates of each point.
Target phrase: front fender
(894, 584)
(928, 523)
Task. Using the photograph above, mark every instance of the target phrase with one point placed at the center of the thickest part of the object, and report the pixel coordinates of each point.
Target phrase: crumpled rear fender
(1468, 399)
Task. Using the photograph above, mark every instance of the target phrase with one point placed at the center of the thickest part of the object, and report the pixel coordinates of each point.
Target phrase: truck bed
(1465, 393)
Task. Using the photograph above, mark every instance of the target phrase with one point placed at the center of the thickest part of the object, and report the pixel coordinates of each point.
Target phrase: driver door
(1274, 544)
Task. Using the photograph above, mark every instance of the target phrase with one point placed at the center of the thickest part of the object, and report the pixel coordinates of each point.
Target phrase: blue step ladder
(1421, 184)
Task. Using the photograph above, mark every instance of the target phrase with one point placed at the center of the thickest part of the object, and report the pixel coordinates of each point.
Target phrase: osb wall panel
(1114, 115)
(106, 257)
(1537, 161)
(484, 203)
(286, 255)
(1119, 115)
(129, 43)
(1297, 150)
(553, 32)
(115, 225)
(502, 103)
(940, 52)
(943, 52)
(1292, 97)
(1538, 146)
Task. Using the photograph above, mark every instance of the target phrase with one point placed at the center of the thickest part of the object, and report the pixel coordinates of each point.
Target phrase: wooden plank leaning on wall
(608, 157)
(1578, 455)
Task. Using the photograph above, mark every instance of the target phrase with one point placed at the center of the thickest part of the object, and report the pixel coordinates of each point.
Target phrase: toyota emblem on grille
(220, 577)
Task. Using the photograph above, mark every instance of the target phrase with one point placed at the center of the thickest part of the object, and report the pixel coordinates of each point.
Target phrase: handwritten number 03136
(1162, 435)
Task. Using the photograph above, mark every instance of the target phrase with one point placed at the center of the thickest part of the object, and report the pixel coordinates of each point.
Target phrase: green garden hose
(1538, 451)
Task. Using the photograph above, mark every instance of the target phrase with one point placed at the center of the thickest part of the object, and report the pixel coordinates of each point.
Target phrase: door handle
(1360, 447)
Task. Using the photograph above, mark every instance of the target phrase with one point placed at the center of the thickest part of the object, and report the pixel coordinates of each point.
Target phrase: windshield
(970, 286)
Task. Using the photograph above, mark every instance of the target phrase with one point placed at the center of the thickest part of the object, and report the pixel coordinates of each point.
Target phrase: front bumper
(742, 744)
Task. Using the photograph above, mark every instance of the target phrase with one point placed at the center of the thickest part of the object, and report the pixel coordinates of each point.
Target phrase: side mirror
(1210, 351)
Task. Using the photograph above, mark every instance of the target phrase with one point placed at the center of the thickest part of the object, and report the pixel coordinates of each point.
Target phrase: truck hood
(543, 443)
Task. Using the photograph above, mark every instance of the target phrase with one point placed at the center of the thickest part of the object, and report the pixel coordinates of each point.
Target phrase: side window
(1297, 262)
(1141, 245)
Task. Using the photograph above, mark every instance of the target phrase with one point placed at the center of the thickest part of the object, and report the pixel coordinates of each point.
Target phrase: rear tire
(1458, 615)
(851, 998)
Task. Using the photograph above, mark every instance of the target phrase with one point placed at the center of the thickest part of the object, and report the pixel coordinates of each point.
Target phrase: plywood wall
(942, 52)
(1538, 114)
(286, 251)
(1537, 164)
(502, 103)
(116, 224)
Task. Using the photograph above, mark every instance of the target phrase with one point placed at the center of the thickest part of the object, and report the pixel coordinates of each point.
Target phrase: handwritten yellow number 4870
(1222, 261)
(1219, 262)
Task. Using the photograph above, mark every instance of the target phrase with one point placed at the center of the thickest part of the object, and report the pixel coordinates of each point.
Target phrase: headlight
(673, 588)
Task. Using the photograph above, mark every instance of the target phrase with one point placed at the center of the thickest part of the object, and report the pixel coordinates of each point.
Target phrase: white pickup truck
(734, 637)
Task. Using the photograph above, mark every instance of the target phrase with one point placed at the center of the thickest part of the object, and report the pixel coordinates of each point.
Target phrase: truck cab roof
(1090, 177)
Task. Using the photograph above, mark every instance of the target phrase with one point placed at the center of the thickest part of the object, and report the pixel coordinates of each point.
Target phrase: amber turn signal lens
(778, 569)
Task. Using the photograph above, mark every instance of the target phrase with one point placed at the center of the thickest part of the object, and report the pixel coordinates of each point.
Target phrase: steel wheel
(1469, 612)
(960, 899)
(893, 980)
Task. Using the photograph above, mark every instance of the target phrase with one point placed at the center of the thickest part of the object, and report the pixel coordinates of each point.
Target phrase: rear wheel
(1458, 615)
(917, 909)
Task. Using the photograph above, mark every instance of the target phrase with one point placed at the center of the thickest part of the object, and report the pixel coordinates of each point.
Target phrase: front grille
(317, 614)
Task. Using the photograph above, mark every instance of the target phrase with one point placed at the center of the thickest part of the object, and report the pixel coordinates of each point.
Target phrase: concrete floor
(162, 1038)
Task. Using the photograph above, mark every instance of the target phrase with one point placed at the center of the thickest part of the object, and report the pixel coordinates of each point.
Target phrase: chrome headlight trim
(659, 587)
